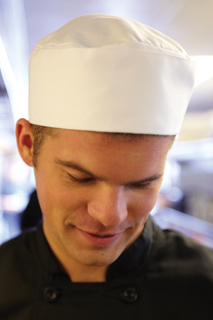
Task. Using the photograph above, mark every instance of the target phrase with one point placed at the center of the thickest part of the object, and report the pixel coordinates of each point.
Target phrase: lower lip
(100, 241)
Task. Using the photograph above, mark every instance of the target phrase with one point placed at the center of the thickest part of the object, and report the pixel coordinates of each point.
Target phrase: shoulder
(175, 252)
(18, 275)
(21, 242)
(16, 255)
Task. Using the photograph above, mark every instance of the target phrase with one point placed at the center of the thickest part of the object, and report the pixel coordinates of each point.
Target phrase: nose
(109, 206)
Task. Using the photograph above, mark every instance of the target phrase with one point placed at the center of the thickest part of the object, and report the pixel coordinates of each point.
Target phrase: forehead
(96, 144)
(109, 139)
(114, 159)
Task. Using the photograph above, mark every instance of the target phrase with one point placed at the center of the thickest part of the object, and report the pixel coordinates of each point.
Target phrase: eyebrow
(74, 165)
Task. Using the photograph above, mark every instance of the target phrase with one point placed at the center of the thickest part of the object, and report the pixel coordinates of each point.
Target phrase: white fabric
(110, 74)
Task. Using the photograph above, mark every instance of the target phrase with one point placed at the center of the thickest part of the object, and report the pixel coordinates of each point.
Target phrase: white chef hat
(109, 74)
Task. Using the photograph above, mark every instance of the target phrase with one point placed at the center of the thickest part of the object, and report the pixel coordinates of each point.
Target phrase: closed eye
(145, 185)
(77, 180)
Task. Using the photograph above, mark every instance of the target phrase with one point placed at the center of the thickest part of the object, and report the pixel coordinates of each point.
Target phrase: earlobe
(24, 141)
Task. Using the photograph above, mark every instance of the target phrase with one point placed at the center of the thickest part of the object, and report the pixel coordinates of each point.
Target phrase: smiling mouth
(100, 239)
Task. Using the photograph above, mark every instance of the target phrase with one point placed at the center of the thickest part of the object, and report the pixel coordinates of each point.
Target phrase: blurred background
(186, 199)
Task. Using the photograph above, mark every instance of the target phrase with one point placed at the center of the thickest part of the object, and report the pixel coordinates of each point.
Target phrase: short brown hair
(39, 135)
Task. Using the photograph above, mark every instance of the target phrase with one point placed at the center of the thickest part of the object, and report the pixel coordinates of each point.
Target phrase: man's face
(96, 192)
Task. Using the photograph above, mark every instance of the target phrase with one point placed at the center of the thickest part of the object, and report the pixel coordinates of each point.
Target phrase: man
(107, 96)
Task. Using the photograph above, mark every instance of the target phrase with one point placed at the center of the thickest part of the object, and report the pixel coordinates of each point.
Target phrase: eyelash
(87, 180)
(145, 185)
(75, 180)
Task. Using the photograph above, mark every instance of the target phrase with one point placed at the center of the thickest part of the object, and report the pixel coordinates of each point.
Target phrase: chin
(102, 258)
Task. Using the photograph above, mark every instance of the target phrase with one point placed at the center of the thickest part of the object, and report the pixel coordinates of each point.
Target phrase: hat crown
(97, 31)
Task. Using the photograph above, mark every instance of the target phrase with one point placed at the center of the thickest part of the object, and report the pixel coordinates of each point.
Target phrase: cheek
(50, 197)
(59, 202)
(143, 204)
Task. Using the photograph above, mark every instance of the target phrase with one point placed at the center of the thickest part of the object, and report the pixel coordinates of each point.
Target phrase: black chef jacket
(163, 275)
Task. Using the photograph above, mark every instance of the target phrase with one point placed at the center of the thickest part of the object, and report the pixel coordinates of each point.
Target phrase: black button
(129, 295)
(51, 294)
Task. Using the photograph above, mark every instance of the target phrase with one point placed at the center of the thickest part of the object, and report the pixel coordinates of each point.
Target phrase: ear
(24, 141)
